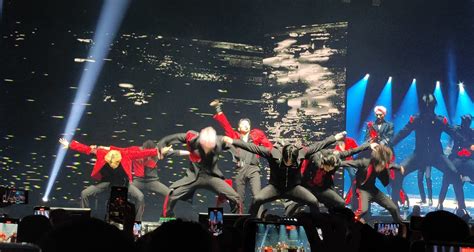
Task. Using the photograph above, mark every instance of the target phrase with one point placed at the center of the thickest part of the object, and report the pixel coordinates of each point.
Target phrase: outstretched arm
(351, 152)
(409, 127)
(259, 150)
(317, 146)
(172, 139)
(358, 164)
(75, 145)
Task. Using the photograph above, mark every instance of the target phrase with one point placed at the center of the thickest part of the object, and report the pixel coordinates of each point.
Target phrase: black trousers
(327, 196)
(270, 193)
(442, 163)
(136, 194)
(203, 181)
(465, 167)
(375, 195)
(426, 173)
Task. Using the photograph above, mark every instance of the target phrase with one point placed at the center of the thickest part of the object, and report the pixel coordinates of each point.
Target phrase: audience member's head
(416, 211)
(87, 235)
(180, 235)
(58, 217)
(444, 226)
(32, 228)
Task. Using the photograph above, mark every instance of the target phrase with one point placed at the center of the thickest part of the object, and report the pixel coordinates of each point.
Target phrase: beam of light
(452, 80)
(441, 110)
(384, 99)
(408, 107)
(464, 105)
(111, 16)
(1, 9)
(354, 102)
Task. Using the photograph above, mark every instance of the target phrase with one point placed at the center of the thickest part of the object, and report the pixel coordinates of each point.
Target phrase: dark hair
(466, 120)
(148, 144)
(290, 152)
(330, 160)
(381, 154)
(428, 102)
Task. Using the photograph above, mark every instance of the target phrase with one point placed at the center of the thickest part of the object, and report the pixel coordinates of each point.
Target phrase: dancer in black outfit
(285, 175)
(368, 170)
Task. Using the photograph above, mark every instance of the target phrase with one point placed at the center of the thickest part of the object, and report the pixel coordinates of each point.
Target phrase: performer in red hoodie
(145, 175)
(246, 163)
(112, 168)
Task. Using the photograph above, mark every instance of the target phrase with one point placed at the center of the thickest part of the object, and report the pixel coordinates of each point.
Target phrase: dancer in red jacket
(112, 167)
(246, 163)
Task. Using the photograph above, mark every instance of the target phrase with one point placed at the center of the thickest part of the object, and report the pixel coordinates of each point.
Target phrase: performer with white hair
(381, 132)
(204, 149)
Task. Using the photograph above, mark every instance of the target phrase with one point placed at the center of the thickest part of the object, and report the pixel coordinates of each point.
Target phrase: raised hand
(64, 143)
(340, 135)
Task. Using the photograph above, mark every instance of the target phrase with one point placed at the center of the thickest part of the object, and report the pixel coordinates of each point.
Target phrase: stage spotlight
(441, 108)
(354, 102)
(408, 107)
(464, 104)
(44, 199)
(109, 22)
(389, 79)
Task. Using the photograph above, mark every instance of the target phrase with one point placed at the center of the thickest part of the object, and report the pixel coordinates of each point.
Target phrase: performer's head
(290, 154)
(113, 158)
(427, 104)
(381, 157)
(244, 126)
(466, 121)
(208, 139)
(380, 112)
(329, 162)
(148, 144)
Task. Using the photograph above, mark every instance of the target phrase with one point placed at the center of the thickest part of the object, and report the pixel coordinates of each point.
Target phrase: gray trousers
(270, 193)
(136, 194)
(94, 190)
(375, 195)
(203, 181)
(248, 176)
(327, 196)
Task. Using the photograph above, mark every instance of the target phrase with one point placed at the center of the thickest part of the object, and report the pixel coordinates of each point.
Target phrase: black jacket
(366, 174)
(428, 131)
(199, 161)
(281, 176)
(384, 132)
(314, 170)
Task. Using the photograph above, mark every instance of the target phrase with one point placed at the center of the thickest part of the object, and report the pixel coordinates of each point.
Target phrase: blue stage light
(408, 107)
(354, 102)
(110, 19)
(464, 105)
(384, 99)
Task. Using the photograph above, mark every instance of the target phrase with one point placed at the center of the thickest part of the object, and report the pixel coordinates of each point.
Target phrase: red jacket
(258, 136)
(350, 143)
(126, 162)
(137, 164)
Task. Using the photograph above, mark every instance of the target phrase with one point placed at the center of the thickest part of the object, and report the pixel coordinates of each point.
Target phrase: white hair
(381, 109)
(208, 137)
